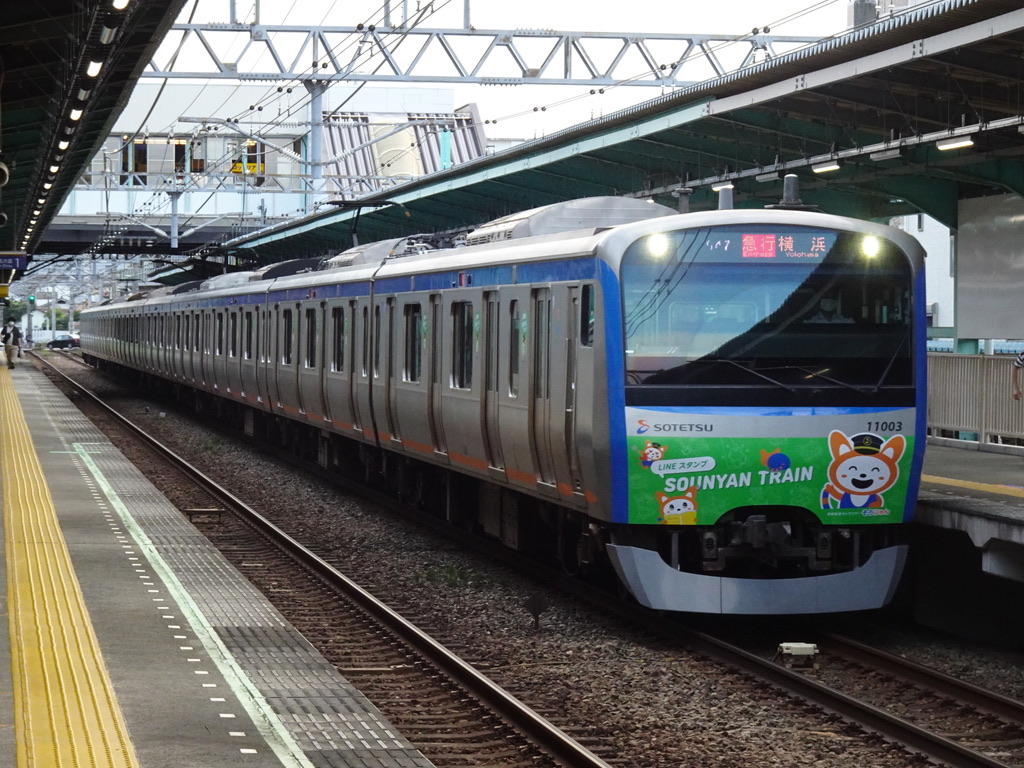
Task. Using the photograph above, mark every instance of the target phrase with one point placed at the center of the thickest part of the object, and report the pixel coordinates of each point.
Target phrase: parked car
(64, 341)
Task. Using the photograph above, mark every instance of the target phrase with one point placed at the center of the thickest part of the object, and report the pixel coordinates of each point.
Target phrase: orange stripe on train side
(519, 476)
(469, 461)
(418, 447)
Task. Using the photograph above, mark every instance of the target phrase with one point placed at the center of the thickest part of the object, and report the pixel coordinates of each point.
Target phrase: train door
(274, 352)
(564, 398)
(515, 428)
(362, 367)
(492, 441)
(174, 352)
(384, 364)
(264, 333)
(286, 362)
(411, 382)
(220, 375)
(247, 361)
(337, 369)
(166, 344)
(206, 353)
(312, 362)
(540, 422)
(351, 362)
(232, 356)
(192, 366)
(436, 380)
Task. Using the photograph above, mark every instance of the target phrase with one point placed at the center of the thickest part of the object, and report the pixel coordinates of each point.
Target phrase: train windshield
(715, 315)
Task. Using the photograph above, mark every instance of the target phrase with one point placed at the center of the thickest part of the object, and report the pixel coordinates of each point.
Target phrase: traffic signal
(32, 299)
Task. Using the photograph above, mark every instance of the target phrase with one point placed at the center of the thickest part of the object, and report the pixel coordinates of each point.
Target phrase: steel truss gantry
(401, 54)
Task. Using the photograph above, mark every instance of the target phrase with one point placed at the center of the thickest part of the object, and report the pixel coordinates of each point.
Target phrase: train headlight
(657, 245)
(870, 246)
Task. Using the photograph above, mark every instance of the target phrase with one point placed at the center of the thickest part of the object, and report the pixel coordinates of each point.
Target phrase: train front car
(766, 389)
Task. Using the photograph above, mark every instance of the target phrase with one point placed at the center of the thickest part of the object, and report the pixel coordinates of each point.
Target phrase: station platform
(980, 493)
(131, 641)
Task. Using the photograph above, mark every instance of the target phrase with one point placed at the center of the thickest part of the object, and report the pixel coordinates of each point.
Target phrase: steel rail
(873, 718)
(538, 730)
(963, 692)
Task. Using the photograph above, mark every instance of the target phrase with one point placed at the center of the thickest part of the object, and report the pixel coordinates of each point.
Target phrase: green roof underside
(45, 46)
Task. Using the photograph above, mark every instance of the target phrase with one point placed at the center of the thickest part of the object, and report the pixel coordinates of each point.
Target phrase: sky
(531, 111)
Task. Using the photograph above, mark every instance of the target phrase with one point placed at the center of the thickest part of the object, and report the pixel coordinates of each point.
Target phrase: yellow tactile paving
(66, 714)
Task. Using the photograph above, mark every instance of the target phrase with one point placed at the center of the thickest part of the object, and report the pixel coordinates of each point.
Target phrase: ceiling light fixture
(887, 154)
(76, 114)
(93, 68)
(955, 142)
(766, 177)
(827, 167)
(721, 185)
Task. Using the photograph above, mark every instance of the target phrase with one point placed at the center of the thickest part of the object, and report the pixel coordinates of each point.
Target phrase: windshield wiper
(888, 366)
(748, 369)
(819, 375)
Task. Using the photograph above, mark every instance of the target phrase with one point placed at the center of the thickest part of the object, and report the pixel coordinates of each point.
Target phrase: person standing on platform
(11, 338)
(1018, 363)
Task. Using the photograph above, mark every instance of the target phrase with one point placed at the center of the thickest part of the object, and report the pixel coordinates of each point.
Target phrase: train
(720, 410)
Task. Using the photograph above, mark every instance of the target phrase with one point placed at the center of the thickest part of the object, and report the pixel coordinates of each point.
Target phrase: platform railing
(971, 405)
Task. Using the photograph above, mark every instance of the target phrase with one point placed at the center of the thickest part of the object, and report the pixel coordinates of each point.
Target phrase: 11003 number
(885, 426)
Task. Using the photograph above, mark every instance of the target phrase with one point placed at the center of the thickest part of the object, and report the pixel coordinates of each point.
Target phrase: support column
(316, 89)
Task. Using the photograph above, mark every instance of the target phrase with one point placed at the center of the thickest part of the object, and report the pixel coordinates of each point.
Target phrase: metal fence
(970, 402)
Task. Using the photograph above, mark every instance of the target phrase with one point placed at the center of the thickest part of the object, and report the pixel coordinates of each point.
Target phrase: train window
(366, 341)
(462, 345)
(542, 343)
(435, 341)
(587, 317)
(311, 338)
(286, 337)
(514, 349)
(247, 332)
(268, 339)
(233, 334)
(491, 346)
(338, 349)
(177, 332)
(413, 342)
(185, 328)
(219, 349)
(376, 342)
(769, 307)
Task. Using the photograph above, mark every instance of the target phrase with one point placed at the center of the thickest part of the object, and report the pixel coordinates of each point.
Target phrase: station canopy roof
(56, 105)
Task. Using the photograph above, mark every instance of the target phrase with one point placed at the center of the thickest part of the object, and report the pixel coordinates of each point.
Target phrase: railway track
(454, 714)
(972, 719)
(952, 725)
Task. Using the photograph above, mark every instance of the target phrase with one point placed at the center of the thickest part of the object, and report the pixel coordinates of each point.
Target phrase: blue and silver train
(722, 408)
